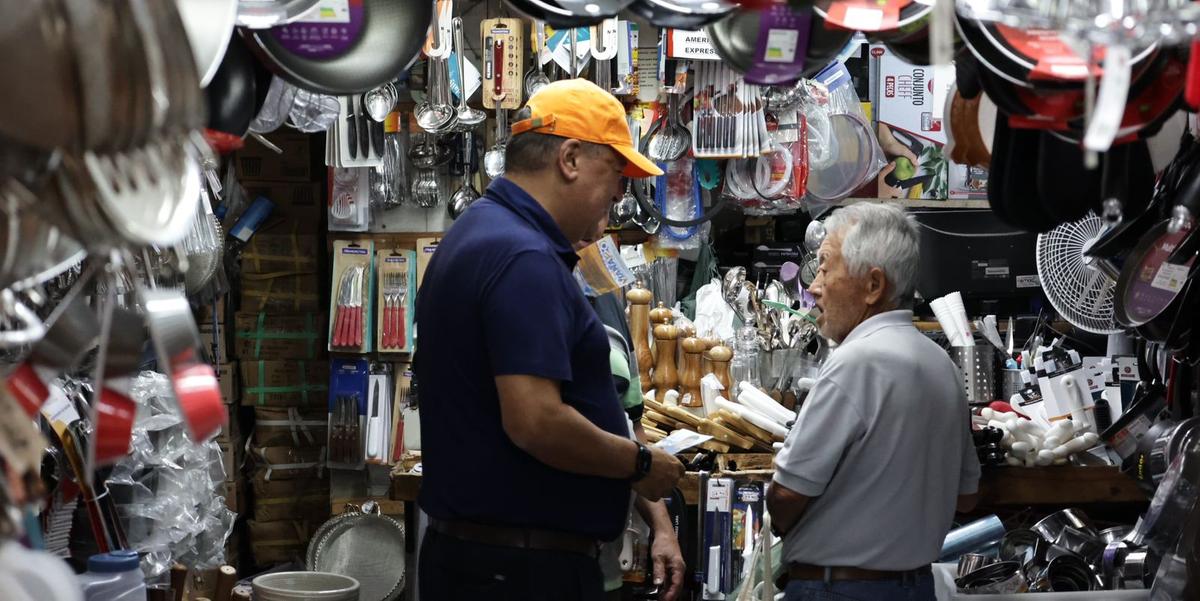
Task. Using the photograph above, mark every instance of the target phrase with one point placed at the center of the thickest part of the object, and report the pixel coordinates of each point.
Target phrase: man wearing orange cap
(528, 463)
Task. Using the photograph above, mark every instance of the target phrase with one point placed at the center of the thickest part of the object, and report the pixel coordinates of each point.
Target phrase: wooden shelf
(1063, 486)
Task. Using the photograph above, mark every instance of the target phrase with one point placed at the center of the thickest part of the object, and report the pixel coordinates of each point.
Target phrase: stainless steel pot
(305, 586)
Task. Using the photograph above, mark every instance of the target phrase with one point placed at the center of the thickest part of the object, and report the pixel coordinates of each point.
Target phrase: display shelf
(999, 487)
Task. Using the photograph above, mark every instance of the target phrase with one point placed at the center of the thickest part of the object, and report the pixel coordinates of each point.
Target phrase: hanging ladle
(436, 114)
(536, 78)
(380, 101)
(466, 194)
(468, 117)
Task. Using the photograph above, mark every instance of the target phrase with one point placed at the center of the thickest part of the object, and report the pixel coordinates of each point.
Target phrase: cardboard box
(425, 248)
(287, 253)
(231, 432)
(231, 459)
(299, 383)
(281, 291)
(216, 342)
(279, 488)
(290, 426)
(299, 207)
(231, 390)
(305, 499)
(280, 541)
(235, 496)
(259, 163)
(266, 335)
(208, 313)
(288, 463)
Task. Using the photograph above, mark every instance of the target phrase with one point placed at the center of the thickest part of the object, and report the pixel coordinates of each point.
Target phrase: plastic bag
(843, 152)
(170, 490)
(677, 195)
(349, 206)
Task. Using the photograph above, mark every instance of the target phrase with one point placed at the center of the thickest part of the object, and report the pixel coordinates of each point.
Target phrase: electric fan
(1078, 290)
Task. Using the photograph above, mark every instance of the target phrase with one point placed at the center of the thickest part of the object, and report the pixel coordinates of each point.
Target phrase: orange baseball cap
(580, 109)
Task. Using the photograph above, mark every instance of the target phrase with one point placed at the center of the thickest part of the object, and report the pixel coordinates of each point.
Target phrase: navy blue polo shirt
(498, 298)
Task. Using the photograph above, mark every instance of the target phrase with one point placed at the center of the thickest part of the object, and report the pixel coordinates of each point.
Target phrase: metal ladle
(468, 117)
(466, 194)
(379, 101)
(436, 114)
(536, 79)
(493, 160)
(625, 209)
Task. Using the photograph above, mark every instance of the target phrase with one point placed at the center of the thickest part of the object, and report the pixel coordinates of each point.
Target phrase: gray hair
(883, 236)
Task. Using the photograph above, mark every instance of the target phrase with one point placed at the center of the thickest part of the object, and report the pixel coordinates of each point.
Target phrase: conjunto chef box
(945, 590)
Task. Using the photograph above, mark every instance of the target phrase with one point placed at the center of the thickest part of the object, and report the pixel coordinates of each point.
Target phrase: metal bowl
(1052, 526)
(305, 586)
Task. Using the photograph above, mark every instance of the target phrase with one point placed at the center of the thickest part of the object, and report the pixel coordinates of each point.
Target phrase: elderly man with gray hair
(881, 456)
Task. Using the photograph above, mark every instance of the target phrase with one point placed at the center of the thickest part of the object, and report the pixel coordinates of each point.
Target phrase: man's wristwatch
(641, 466)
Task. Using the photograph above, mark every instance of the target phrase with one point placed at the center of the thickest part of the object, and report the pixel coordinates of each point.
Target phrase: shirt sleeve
(527, 321)
(968, 479)
(828, 424)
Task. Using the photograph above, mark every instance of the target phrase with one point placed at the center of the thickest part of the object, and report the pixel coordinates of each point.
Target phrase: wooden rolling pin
(690, 375)
(665, 375)
(639, 329)
(720, 356)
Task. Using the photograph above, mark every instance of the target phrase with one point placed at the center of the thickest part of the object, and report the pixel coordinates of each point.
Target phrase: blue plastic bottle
(113, 576)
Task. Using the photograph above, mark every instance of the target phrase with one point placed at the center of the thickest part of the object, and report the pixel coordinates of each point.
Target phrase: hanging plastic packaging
(677, 194)
(169, 490)
(843, 151)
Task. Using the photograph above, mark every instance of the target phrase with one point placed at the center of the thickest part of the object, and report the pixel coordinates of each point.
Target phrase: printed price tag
(1170, 277)
(1110, 102)
(863, 18)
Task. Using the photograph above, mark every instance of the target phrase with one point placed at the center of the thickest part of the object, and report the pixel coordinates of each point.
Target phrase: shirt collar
(517, 200)
(887, 319)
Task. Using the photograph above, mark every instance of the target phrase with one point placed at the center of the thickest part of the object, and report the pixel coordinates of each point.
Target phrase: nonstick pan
(1150, 288)
(380, 40)
(1022, 202)
(736, 40)
(231, 93)
(682, 14)
(558, 14)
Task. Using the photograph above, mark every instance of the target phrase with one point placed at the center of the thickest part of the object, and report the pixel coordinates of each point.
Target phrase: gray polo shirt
(883, 445)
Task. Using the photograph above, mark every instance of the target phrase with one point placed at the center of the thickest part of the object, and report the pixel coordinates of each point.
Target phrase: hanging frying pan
(601, 9)
(1026, 207)
(1034, 57)
(263, 14)
(209, 25)
(231, 93)
(1067, 187)
(377, 40)
(1150, 287)
(1001, 141)
(966, 74)
(682, 14)
(557, 14)
(739, 39)
(885, 20)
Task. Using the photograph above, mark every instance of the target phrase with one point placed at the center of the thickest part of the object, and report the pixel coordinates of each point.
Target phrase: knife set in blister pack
(349, 302)
(732, 524)
(349, 382)
(395, 296)
(356, 136)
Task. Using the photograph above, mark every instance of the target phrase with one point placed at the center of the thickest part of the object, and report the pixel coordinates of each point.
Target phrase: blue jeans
(861, 590)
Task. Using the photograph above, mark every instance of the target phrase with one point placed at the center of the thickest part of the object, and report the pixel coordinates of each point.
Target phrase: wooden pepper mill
(719, 356)
(690, 373)
(665, 376)
(706, 366)
(639, 330)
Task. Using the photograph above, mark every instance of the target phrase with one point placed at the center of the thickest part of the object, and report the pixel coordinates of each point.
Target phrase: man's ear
(568, 159)
(876, 285)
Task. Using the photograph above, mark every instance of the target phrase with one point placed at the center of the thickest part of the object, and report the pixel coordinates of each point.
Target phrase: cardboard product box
(281, 291)
(290, 426)
(292, 500)
(425, 248)
(299, 206)
(910, 102)
(288, 463)
(231, 389)
(231, 431)
(283, 253)
(280, 541)
(262, 487)
(257, 162)
(293, 383)
(268, 335)
(208, 313)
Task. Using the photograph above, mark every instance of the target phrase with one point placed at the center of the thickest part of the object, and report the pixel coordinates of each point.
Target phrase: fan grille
(1081, 294)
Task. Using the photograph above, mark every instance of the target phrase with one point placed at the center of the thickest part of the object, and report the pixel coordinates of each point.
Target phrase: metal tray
(365, 545)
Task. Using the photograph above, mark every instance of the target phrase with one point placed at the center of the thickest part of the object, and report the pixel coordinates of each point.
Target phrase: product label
(1052, 57)
(781, 46)
(335, 28)
(866, 16)
(691, 45)
(395, 260)
(1158, 282)
(354, 251)
(1170, 277)
(1028, 281)
(1127, 368)
(990, 269)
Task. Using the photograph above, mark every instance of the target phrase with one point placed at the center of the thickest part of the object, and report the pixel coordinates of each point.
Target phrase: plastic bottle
(113, 576)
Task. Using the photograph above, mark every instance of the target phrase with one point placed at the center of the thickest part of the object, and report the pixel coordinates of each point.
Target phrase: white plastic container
(113, 576)
(944, 588)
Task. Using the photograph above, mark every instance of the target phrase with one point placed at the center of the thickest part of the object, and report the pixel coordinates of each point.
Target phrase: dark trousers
(457, 570)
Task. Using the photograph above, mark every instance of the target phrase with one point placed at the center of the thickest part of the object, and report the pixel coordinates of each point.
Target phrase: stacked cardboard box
(278, 346)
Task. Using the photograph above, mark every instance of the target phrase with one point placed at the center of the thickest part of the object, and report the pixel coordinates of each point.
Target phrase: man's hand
(665, 472)
(668, 564)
